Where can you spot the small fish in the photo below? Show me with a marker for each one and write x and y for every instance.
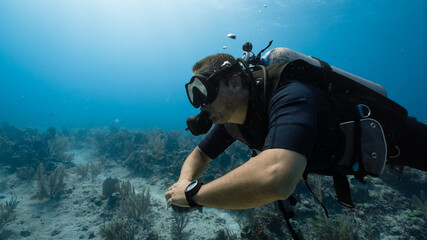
(231, 35)
(224, 47)
(265, 5)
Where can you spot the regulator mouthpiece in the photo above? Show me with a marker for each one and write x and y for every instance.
(199, 124)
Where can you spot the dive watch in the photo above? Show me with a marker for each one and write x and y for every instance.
(191, 190)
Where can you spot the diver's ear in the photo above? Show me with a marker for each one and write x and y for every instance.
(235, 81)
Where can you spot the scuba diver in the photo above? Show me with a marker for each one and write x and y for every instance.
(299, 115)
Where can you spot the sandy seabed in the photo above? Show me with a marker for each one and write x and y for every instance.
(79, 212)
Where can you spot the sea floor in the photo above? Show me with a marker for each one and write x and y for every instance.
(81, 211)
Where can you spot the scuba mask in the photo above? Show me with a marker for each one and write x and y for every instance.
(203, 89)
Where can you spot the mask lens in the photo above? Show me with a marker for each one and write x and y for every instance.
(196, 91)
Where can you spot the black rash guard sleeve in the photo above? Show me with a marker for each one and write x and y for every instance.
(216, 141)
(293, 118)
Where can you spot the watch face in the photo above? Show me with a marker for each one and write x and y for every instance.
(191, 186)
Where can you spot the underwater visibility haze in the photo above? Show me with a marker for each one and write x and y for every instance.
(98, 63)
(93, 110)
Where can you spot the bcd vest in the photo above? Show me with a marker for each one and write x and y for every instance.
(370, 124)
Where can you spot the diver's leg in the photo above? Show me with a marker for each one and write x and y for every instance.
(413, 148)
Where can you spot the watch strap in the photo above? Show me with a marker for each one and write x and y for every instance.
(189, 194)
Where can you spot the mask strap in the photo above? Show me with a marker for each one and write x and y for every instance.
(246, 67)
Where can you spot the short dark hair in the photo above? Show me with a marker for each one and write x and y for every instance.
(213, 63)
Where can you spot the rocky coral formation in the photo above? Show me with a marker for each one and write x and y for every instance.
(27, 148)
(112, 208)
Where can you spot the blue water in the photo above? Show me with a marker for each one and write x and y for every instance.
(97, 63)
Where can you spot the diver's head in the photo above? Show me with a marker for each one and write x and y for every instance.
(219, 87)
(203, 87)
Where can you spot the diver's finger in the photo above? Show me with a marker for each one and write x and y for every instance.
(172, 187)
(169, 202)
(168, 195)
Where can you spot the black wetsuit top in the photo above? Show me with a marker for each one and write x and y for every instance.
(297, 118)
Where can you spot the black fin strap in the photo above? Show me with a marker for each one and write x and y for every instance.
(342, 189)
(314, 196)
(288, 216)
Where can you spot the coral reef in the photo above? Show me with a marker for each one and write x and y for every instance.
(51, 188)
(265, 225)
(180, 222)
(330, 229)
(118, 230)
(27, 148)
(133, 206)
(225, 234)
(420, 204)
(116, 144)
(392, 208)
(151, 152)
(95, 170)
(138, 161)
(234, 156)
(156, 144)
(25, 173)
(82, 170)
(132, 210)
(110, 186)
(6, 213)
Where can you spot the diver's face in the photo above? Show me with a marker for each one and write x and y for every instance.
(222, 108)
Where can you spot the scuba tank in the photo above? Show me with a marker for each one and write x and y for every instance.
(282, 55)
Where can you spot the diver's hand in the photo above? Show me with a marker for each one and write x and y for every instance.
(176, 194)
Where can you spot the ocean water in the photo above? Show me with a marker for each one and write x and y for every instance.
(97, 63)
(106, 73)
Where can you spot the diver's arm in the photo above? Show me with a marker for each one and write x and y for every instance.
(270, 176)
(194, 165)
(192, 169)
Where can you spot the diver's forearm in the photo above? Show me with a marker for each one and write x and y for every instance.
(260, 181)
(194, 165)
(239, 195)
(242, 188)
